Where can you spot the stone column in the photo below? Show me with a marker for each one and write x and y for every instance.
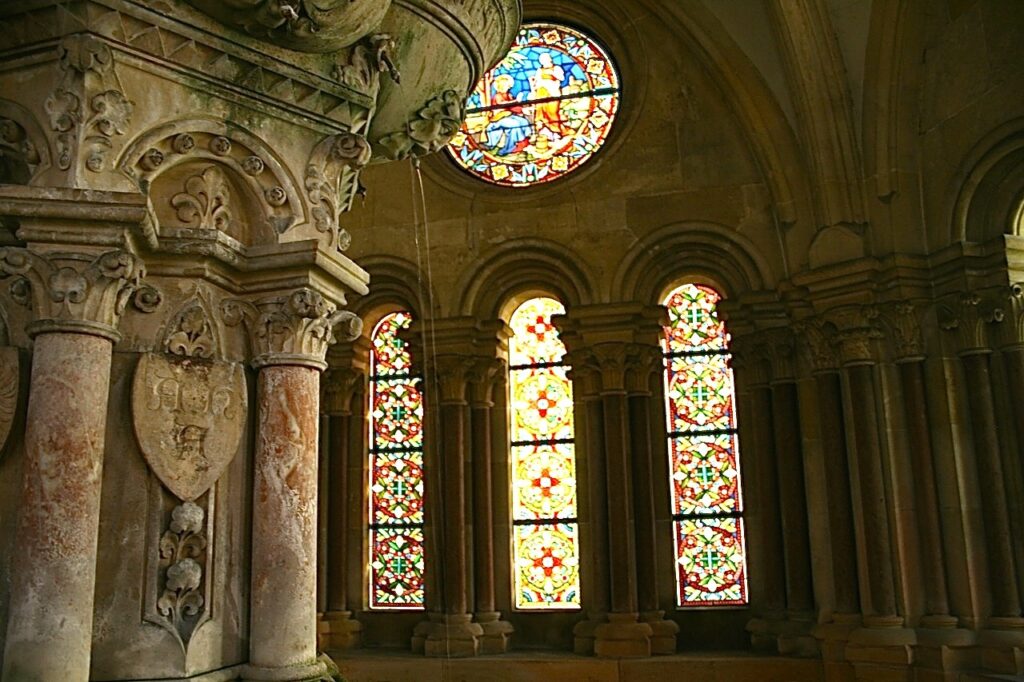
(484, 376)
(449, 631)
(593, 512)
(795, 636)
(882, 641)
(645, 367)
(78, 300)
(623, 635)
(764, 537)
(289, 336)
(342, 387)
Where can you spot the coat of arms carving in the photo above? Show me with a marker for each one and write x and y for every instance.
(189, 409)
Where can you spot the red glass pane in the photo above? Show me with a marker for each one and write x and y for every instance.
(396, 568)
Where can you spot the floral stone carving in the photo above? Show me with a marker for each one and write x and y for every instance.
(332, 180)
(189, 409)
(204, 203)
(184, 551)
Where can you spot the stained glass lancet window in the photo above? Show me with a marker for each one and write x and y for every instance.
(541, 112)
(543, 461)
(396, 471)
(707, 506)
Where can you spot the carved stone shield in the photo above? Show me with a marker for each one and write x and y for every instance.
(189, 417)
(9, 383)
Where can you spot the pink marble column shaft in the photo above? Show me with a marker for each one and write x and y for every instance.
(283, 618)
(49, 632)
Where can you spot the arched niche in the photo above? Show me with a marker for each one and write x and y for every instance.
(991, 195)
(24, 153)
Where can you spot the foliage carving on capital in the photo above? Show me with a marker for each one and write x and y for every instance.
(77, 292)
(1008, 304)
(295, 329)
(332, 182)
(429, 130)
(780, 347)
(750, 359)
(643, 364)
(88, 107)
(857, 333)
(612, 360)
(367, 60)
(818, 338)
(339, 388)
(968, 316)
(452, 374)
(903, 323)
(585, 373)
(484, 375)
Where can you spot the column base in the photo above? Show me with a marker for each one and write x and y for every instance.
(764, 633)
(337, 630)
(663, 633)
(943, 648)
(832, 640)
(882, 650)
(447, 636)
(497, 633)
(317, 670)
(795, 638)
(1001, 644)
(623, 636)
(583, 634)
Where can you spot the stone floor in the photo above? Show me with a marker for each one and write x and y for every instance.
(387, 666)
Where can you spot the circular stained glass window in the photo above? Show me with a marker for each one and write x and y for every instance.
(541, 112)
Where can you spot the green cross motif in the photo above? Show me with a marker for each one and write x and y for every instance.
(705, 474)
(711, 559)
(700, 394)
(398, 488)
(694, 316)
(398, 565)
(398, 412)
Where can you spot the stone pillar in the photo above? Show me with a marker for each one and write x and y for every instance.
(764, 537)
(289, 337)
(644, 368)
(883, 642)
(594, 577)
(794, 639)
(485, 375)
(78, 300)
(623, 635)
(342, 387)
(971, 316)
(448, 631)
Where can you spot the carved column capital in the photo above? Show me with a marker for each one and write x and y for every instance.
(967, 316)
(484, 375)
(856, 334)
(585, 373)
(750, 360)
(1009, 316)
(780, 346)
(817, 337)
(903, 323)
(452, 374)
(295, 329)
(340, 386)
(611, 360)
(82, 293)
(643, 363)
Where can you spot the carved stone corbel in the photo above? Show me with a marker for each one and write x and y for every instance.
(367, 60)
(295, 329)
(88, 107)
(332, 181)
(429, 131)
(77, 292)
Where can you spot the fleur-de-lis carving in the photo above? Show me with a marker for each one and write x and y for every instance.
(204, 203)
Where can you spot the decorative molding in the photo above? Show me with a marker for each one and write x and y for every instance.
(88, 107)
(429, 131)
(204, 202)
(295, 329)
(10, 381)
(332, 181)
(77, 292)
(366, 61)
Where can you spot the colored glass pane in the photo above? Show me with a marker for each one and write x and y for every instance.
(547, 566)
(703, 451)
(543, 462)
(396, 470)
(541, 112)
(700, 392)
(396, 567)
(541, 404)
(705, 475)
(544, 478)
(535, 339)
(710, 562)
